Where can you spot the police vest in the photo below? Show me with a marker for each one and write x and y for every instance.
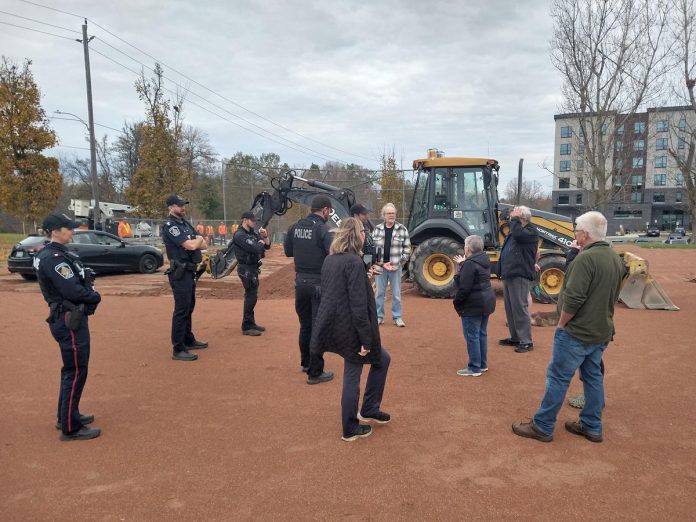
(307, 244)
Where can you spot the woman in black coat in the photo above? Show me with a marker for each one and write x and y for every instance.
(346, 324)
(474, 302)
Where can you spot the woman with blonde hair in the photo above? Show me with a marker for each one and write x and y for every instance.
(346, 324)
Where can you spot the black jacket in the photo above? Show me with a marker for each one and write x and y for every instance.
(518, 255)
(475, 296)
(347, 315)
(249, 246)
(61, 276)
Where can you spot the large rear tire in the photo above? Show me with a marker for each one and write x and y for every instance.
(549, 279)
(432, 267)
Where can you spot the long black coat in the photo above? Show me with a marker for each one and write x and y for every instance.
(347, 315)
(475, 295)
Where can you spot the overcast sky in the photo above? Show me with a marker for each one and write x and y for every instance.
(468, 77)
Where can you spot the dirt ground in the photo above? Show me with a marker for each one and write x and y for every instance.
(238, 435)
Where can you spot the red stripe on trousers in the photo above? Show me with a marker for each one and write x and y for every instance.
(72, 391)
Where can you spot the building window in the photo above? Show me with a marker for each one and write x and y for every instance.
(619, 146)
(638, 162)
(565, 166)
(563, 183)
(578, 199)
(617, 180)
(565, 149)
(681, 157)
(636, 197)
(566, 132)
(661, 162)
(682, 123)
(658, 197)
(678, 197)
(636, 181)
(662, 126)
(580, 164)
(660, 180)
(581, 149)
(620, 130)
(619, 163)
(679, 179)
(661, 144)
(639, 127)
(605, 127)
(581, 131)
(578, 183)
(563, 199)
(638, 145)
(682, 143)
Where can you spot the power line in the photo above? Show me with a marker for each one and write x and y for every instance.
(40, 22)
(37, 31)
(51, 8)
(97, 124)
(69, 147)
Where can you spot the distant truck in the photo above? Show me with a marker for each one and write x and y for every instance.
(109, 213)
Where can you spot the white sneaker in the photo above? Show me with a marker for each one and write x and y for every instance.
(399, 322)
(466, 372)
(380, 321)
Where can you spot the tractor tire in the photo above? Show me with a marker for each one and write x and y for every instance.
(549, 279)
(432, 268)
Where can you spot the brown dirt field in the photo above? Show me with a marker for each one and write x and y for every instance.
(238, 435)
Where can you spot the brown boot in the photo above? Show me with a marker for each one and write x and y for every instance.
(576, 428)
(530, 431)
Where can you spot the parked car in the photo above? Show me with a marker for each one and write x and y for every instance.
(680, 231)
(677, 239)
(653, 232)
(100, 251)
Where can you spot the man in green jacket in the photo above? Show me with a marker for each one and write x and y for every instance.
(585, 327)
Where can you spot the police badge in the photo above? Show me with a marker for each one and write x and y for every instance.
(64, 271)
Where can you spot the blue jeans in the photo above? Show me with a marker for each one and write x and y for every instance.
(569, 354)
(476, 335)
(394, 279)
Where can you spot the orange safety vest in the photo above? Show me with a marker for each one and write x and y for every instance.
(209, 230)
(124, 229)
(199, 229)
(222, 230)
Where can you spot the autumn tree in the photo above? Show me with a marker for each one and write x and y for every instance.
(30, 183)
(612, 57)
(391, 182)
(160, 170)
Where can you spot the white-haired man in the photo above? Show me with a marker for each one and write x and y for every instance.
(585, 327)
(392, 240)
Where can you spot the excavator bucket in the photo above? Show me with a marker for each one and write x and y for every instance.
(640, 290)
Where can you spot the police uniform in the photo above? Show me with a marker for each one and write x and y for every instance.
(181, 274)
(249, 249)
(308, 241)
(71, 298)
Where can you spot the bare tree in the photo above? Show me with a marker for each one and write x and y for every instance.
(611, 55)
(685, 53)
(533, 194)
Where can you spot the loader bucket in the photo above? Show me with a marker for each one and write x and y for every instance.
(640, 290)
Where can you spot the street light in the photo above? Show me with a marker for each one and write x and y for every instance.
(93, 169)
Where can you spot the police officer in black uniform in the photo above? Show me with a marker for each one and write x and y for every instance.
(249, 249)
(67, 288)
(308, 242)
(183, 247)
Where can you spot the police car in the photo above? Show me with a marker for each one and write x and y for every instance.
(100, 251)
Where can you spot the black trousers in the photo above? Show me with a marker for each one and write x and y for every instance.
(184, 291)
(74, 350)
(249, 274)
(307, 299)
(374, 389)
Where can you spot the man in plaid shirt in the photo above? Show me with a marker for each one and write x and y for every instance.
(391, 239)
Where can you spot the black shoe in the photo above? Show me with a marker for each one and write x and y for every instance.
(259, 328)
(184, 355)
(362, 431)
(324, 377)
(379, 417)
(252, 331)
(508, 342)
(84, 419)
(524, 348)
(82, 434)
(197, 345)
(577, 428)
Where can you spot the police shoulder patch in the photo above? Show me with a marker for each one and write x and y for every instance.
(174, 231)
(64, 270)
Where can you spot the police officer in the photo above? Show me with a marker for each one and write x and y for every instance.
(67, 288)
(183, 247)
(249, 249)
(308, 242)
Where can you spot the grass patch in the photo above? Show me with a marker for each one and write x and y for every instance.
(7, 241)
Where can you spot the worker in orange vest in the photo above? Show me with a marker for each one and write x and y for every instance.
(222, 233)
(210, 233)
(199, 229)
(124, 229)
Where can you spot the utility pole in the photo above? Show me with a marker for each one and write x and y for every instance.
(224, 199)
(92, 141)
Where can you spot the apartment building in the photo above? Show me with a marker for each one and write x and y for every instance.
(645, 185)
